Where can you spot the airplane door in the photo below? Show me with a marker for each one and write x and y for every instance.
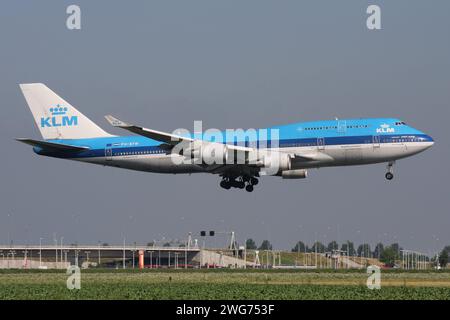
(341, 126)
(376, 141)
(320, 143)
(108, 152)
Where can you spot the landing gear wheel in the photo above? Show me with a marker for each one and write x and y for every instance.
(254, 181)
(249, 188)
(224, 184)
(390, 174)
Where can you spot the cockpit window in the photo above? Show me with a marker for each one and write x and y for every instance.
(400, 123)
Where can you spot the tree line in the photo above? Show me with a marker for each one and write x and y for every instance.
(387, 254)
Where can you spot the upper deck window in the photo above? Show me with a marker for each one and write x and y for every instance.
(320, 128)
(359, 126)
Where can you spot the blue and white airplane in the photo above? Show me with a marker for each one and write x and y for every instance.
(68, 134)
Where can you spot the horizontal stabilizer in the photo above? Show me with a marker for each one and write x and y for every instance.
(53, 146)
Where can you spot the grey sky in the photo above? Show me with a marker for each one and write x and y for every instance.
(232, 64)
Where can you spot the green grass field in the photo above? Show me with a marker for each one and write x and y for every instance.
(222, 284)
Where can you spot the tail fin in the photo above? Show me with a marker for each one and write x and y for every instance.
(56, 118)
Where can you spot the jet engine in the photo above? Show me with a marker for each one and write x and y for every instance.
(294, 174)
(276, 162)
(214, 153)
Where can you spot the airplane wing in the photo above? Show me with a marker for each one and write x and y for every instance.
(168, 138)
(171, 140)
(52, 145)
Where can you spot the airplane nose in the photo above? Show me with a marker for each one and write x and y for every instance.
(429, 141)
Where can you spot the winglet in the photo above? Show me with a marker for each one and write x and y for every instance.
(116, 122)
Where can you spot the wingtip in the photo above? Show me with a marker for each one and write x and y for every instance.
(30, 84)
(23, 140)
(115, 122)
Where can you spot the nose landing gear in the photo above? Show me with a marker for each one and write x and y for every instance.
(390, 174)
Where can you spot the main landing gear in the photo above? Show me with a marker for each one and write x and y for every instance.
(390, 174)
(240, 182)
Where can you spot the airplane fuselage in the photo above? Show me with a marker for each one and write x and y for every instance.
(339, 142)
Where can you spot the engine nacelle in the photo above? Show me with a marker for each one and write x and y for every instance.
(214, 153)
(294, 174)
(276, 162)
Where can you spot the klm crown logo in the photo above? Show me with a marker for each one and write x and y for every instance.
(385, 128)
(59, 118)
(58, 110)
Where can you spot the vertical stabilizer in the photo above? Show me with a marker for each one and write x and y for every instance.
(55, 117)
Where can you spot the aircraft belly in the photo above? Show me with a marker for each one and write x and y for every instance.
(339, 155)
(163, 164)
(154, 163)
(345, 155)
(371, 153)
